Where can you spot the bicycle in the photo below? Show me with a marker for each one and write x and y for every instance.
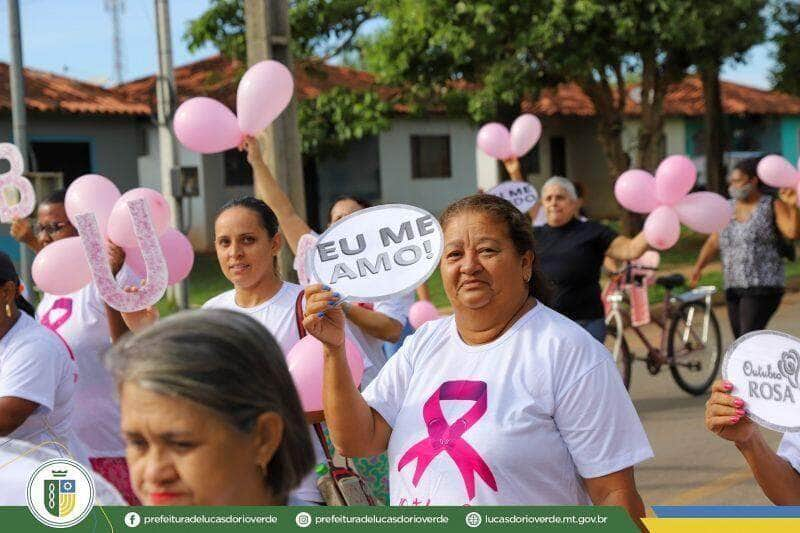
(690, 343)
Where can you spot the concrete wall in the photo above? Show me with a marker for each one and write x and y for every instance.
(432, 194)
(113, 142)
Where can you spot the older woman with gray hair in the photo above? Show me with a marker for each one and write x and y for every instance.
(210, 414)
(571, 253)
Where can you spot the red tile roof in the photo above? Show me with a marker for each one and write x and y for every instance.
(683, 99)
(218, 77)
(57, 94)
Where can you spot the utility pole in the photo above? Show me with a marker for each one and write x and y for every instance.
(18, 119)
(168, 157)
(116, 8)
(268, 37)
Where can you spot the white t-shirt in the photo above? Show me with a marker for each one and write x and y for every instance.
(20, 459)
(517, 421)
(789, 449)
(35, 365)
(278, 315)
(80, 320)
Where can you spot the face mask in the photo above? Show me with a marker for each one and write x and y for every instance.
(740, 193)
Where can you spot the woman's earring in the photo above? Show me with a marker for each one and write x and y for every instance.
(8, 310)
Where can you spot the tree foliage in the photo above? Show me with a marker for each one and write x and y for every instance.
(787, 42)
(325, 28)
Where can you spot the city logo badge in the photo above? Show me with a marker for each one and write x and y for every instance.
(60, 493)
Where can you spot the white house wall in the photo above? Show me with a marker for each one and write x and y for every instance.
(150, 176)
(432, 194)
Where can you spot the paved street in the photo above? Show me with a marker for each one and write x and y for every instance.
(692, 466)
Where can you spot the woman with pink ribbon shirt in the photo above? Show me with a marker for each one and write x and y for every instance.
(506, 402)
(88, 327)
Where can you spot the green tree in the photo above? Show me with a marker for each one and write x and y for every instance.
(320, 29)
(786, 16)
(716, 32)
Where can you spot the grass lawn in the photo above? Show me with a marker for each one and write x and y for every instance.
(206, 279)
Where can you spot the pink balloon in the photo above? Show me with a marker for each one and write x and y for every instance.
(91, 193)
(206, 126)
(120, 225)
(421, 312)
(495, 140)
(177, 251)
(704, 212)
(776, 171)
(305, 361)
(635, 190)
(525, 133)
(662, 228)
(264, 92)
(675, 177)
(61, 267)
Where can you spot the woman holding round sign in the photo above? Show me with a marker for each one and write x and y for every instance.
(752, 246)
(375, 323)
(572, 251)
(761, 385)
(488, 406)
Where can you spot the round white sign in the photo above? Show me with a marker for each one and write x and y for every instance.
(60, 493)
(377, 253)
(764, 367)
(520, 193)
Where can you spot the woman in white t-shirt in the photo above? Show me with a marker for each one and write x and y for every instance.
(374, 324)
(37, 375)
(504, 403)
(778, 473)
(88, 326)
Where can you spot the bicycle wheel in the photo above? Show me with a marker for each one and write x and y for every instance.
(694, 347)
(618, 346)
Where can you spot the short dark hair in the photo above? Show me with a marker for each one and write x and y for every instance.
(9, 273)
(519, 230)
(268, 218)
(363, 202)
(226, 362)
(58, 196)
(748, 167)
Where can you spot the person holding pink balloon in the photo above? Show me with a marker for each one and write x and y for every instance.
(88, 326)
(751, 248)
(374, 324)
(488, 406)
(572, 252)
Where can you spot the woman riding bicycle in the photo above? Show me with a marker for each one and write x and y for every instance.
(571, 252)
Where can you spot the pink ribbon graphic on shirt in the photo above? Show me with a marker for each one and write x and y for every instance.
(62, 304)
(448, 438)
(65, 305)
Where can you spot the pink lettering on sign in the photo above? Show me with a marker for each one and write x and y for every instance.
(448, 438)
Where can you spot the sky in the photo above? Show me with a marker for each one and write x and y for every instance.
(74, 38)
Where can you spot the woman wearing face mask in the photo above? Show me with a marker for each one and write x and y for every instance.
(505, 402)
(572, 252)
(88, 326)
(210, 414)
(375, 324)
(749, 246)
